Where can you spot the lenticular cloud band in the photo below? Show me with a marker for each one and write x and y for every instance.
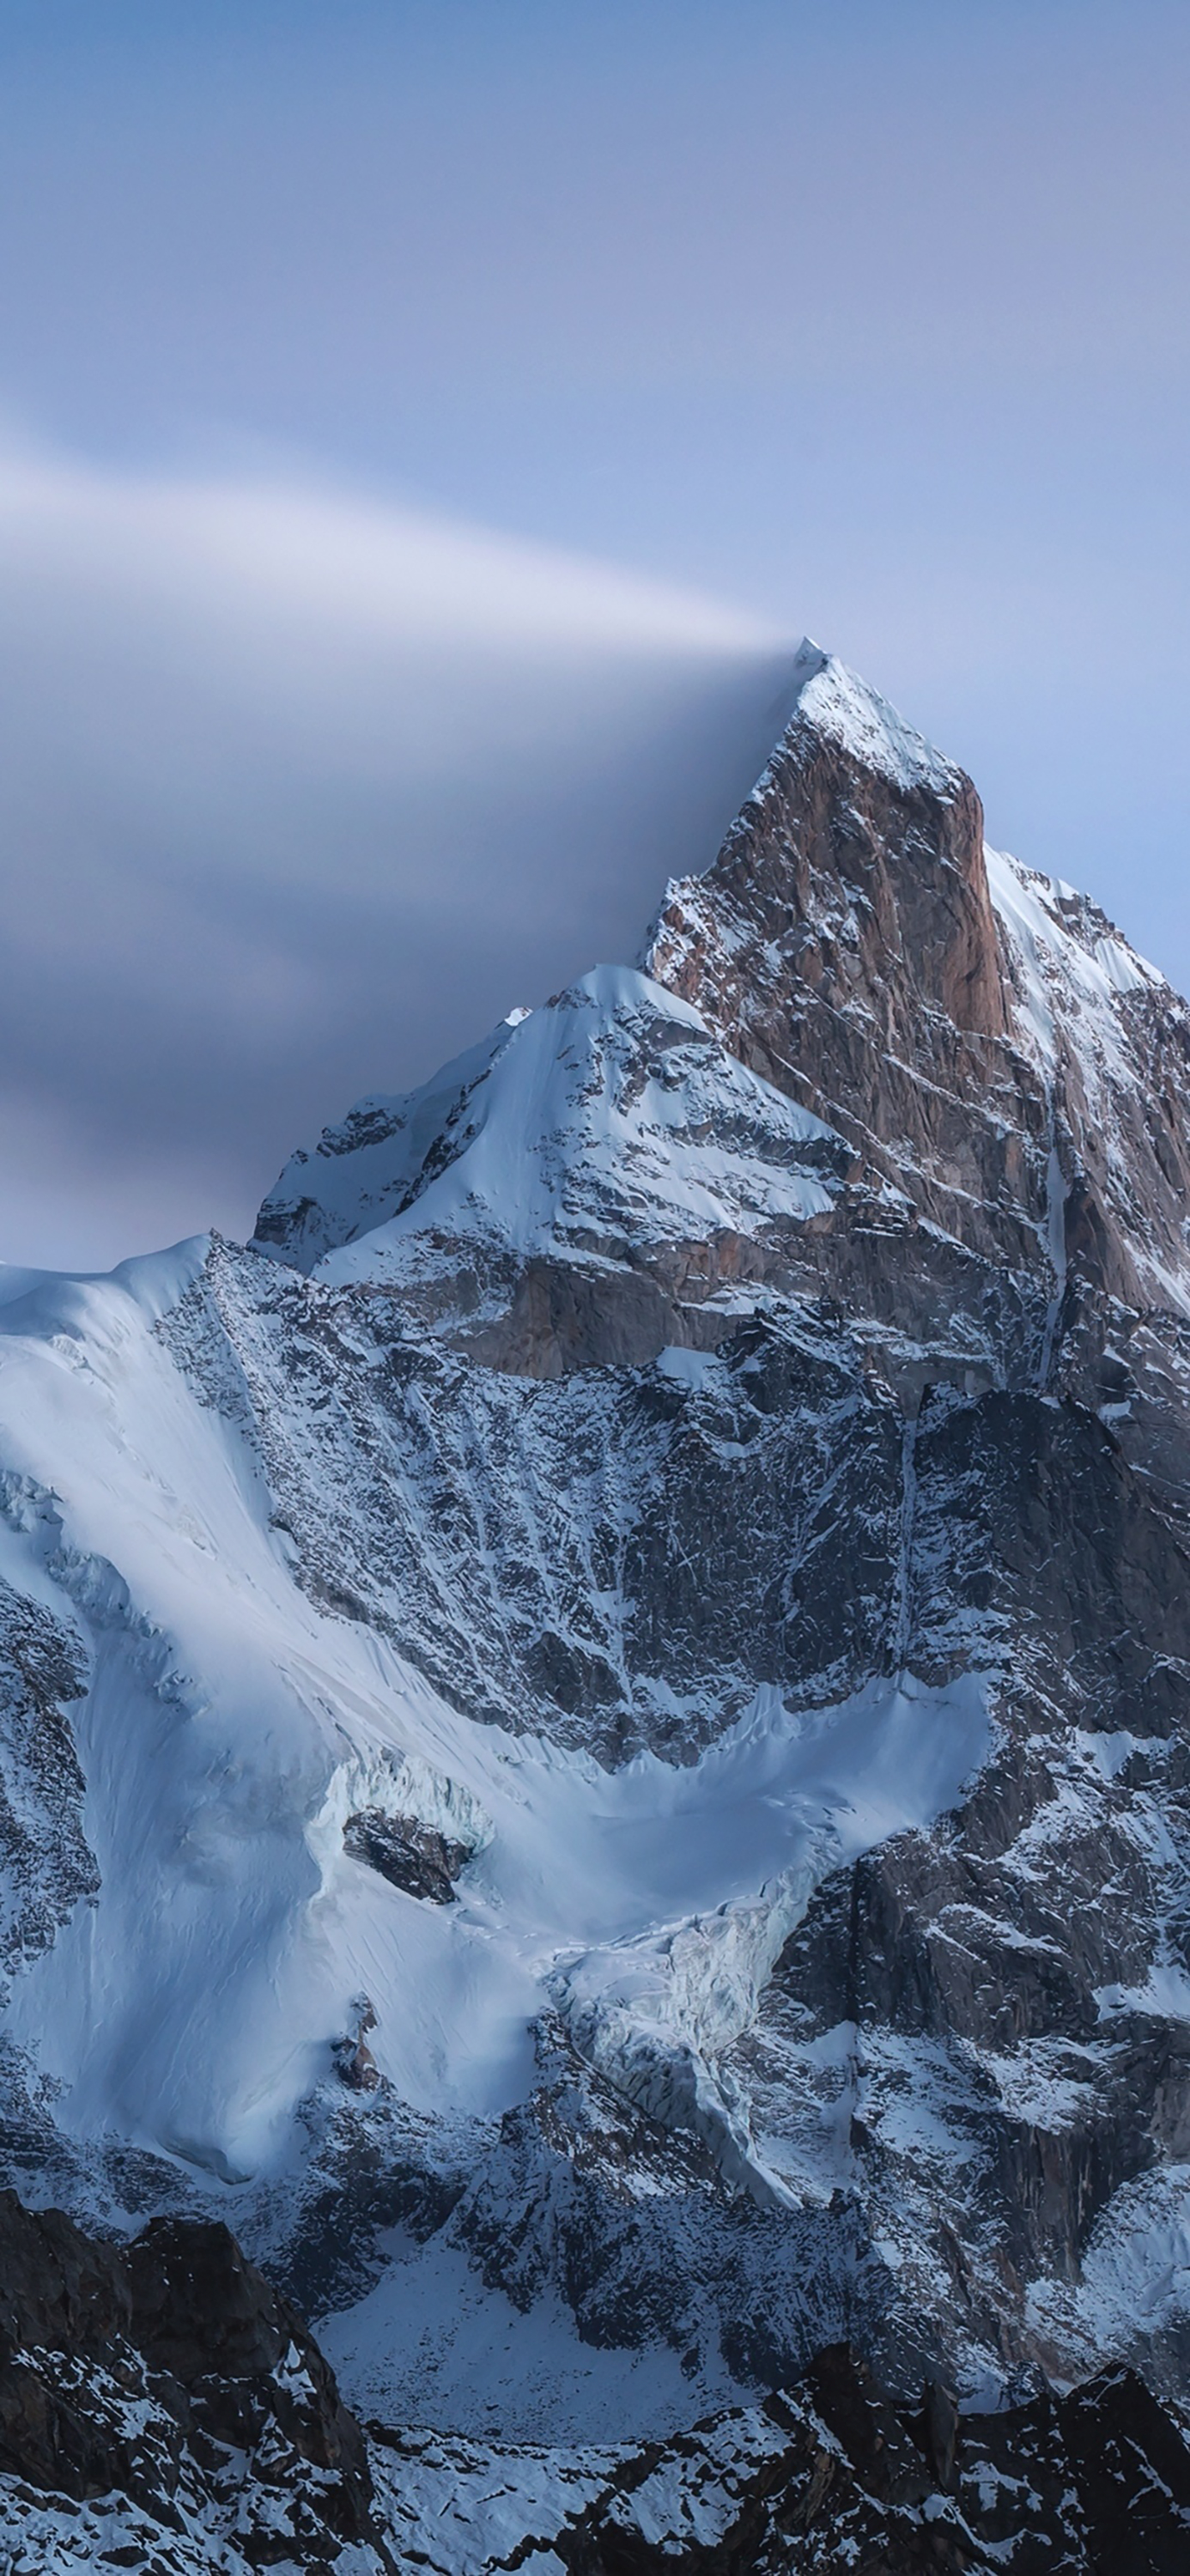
(301, 790)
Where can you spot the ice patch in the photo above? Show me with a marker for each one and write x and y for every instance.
(656, 2012)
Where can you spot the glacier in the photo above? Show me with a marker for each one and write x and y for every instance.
(228, 1731)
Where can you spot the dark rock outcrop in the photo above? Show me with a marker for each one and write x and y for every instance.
(1094, 2483)
(829, 2475)
(166, 2370)
(409, 1855)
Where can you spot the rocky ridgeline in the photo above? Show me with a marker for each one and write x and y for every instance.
(162, 2408)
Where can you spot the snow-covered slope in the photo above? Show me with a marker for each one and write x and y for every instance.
(229, 1730)
(607, 1131)
(593, 1732)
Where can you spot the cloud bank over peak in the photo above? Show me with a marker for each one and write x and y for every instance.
(304, 790)
(372, 569)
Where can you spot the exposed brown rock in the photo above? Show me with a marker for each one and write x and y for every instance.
(844, 946)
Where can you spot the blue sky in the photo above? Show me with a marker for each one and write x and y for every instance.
(868, 320)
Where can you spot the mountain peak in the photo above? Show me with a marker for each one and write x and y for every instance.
(961, 1041)
(603, 1737)
(982, 1037)
(847, 711)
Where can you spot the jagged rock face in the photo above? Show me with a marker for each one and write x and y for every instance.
(994, 1051)
(161, 2407)
(170, 2376)
(845, 947)
(675, 1536)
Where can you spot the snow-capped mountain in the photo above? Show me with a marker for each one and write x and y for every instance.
(606, 1139)
(595, 1731)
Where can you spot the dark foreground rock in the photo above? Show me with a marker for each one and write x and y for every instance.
(162, 2407)
(829, 2476)
(823, 2479)
(171, 2374)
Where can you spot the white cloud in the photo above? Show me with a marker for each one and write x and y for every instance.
(301, 792)
(279, 550)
